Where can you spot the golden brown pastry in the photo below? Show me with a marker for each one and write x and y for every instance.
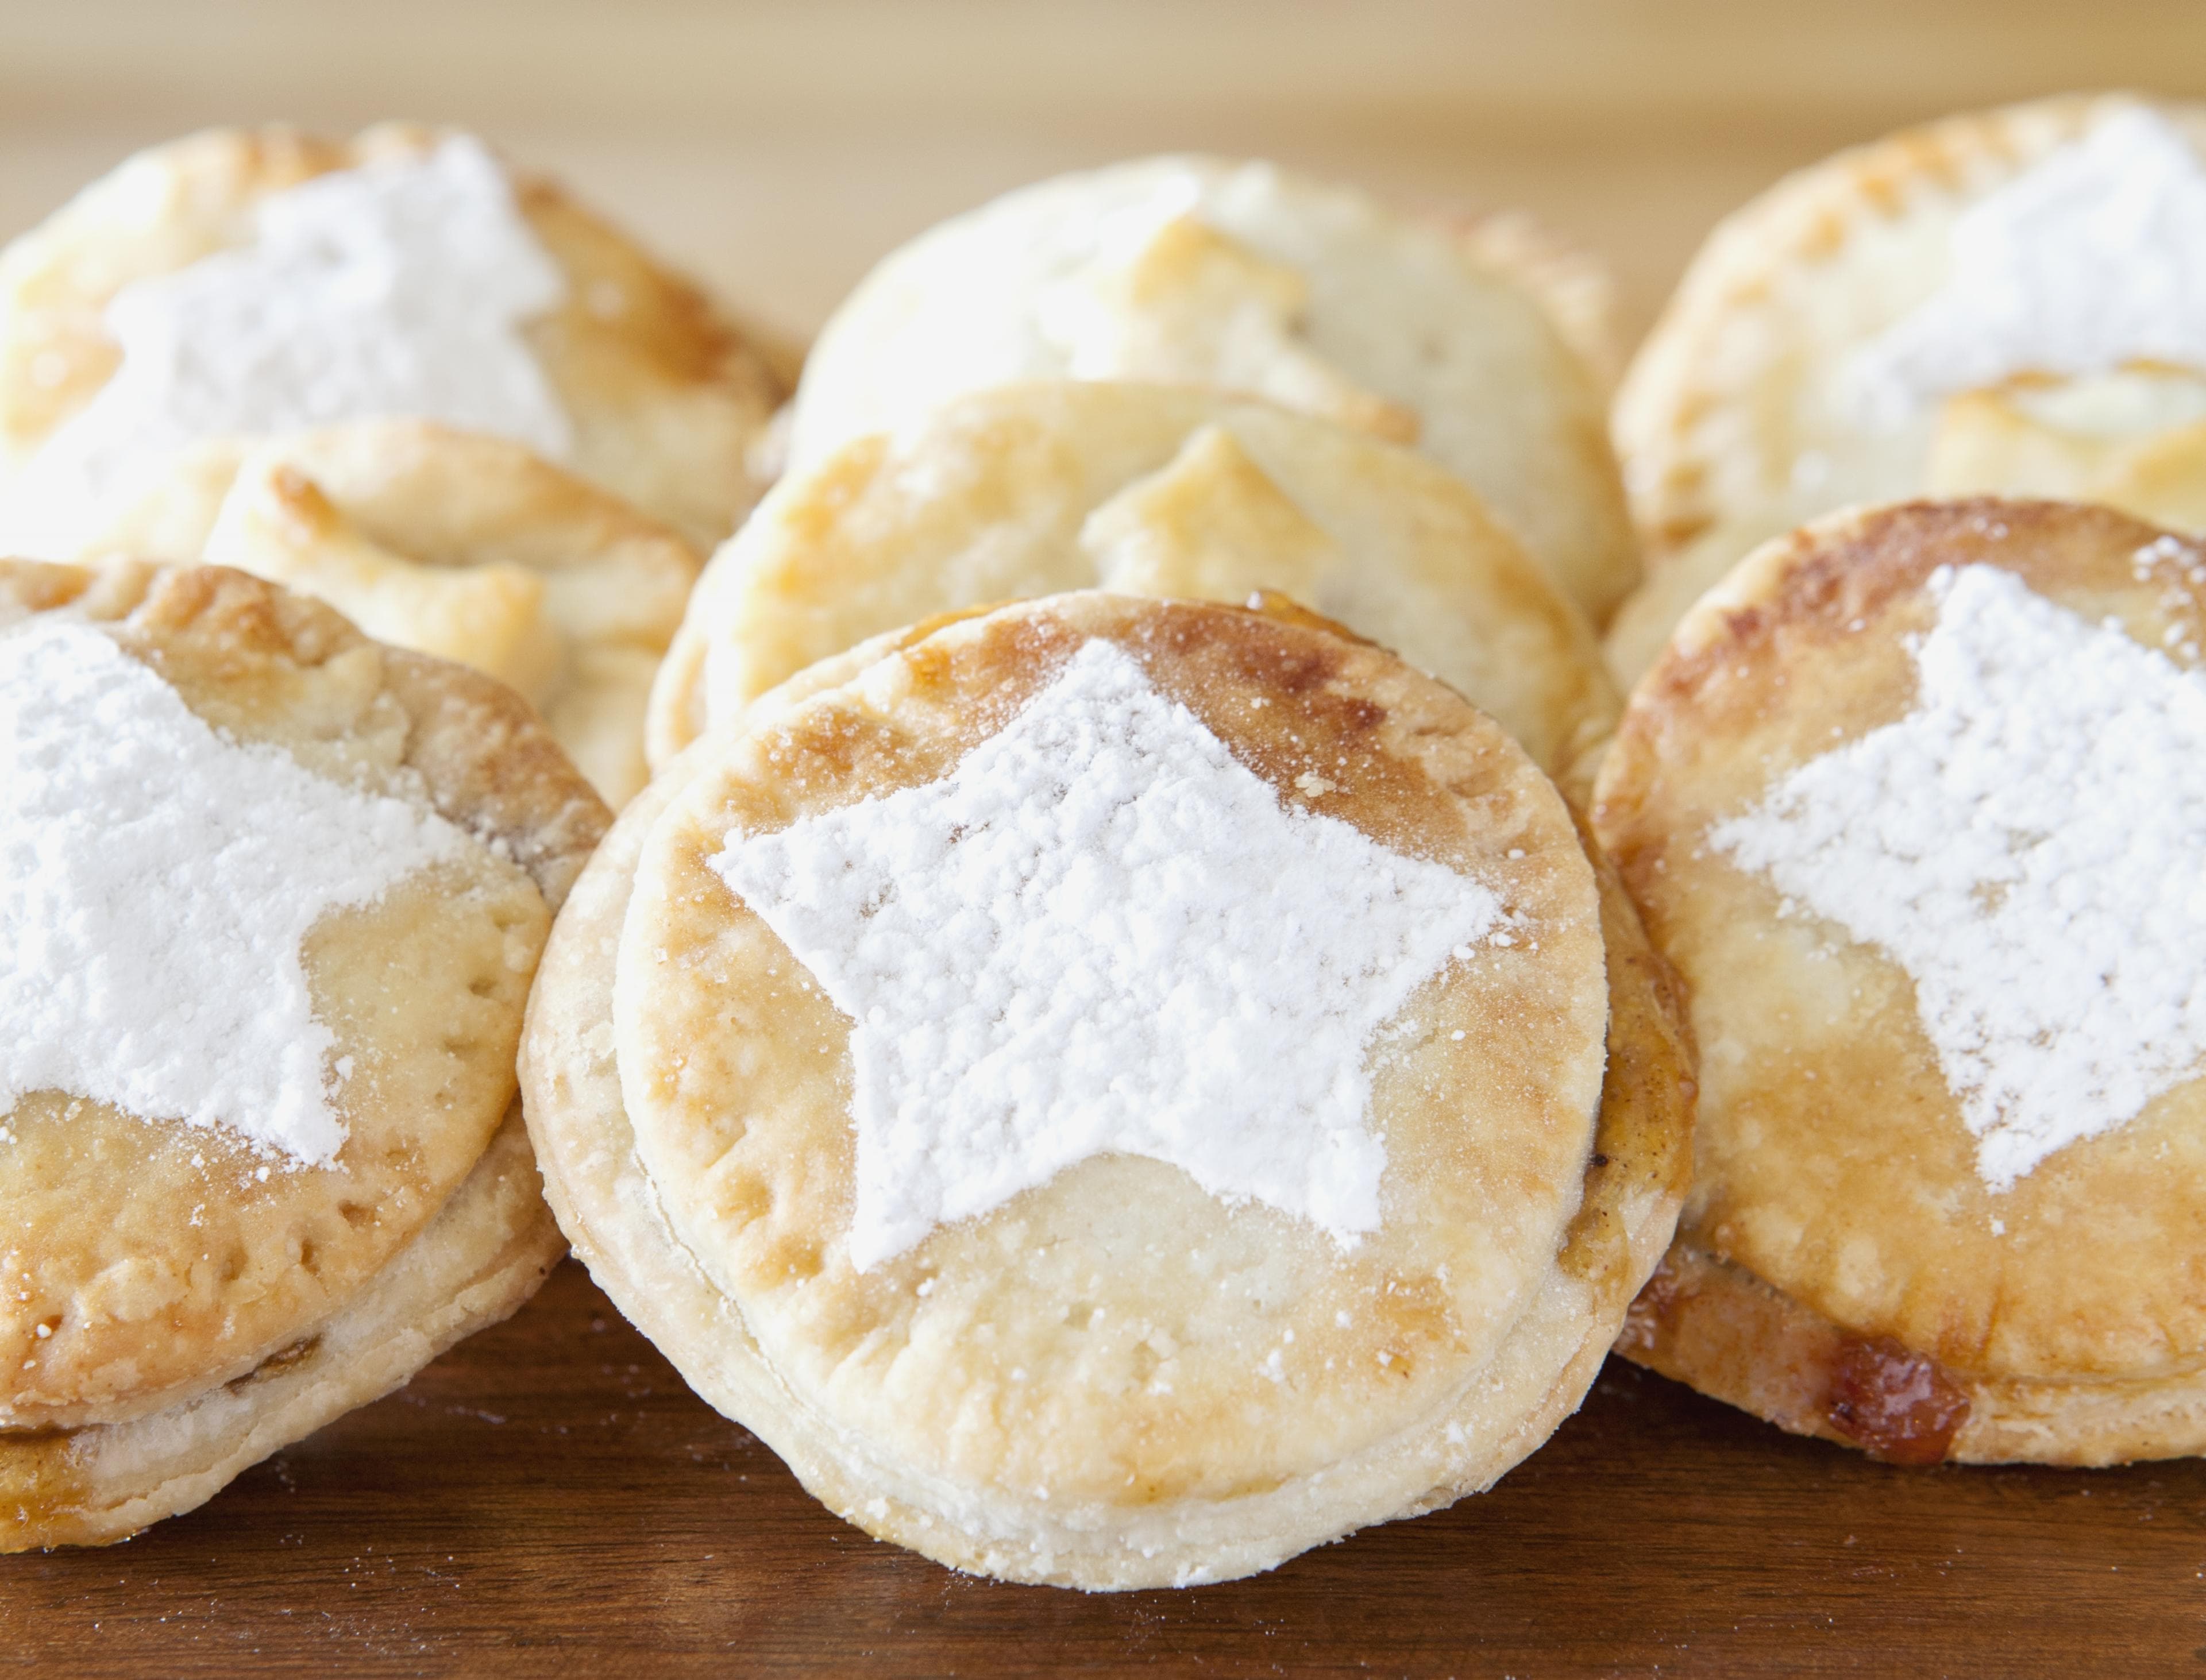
(455, 544)
(851, 1084)
(1247, 278)
(249, 282)
(1029, 489)
(1913, 801)
(271, 901)
(1999, 302)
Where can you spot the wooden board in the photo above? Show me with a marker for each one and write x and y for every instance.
(550, 1499)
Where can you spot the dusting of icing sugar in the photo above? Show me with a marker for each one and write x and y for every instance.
(1101, 933)
(156, 883)
(2026, 842)
(398, 289)
(2093, 258)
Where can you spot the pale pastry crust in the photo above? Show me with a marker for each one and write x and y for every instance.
(1990, 442)
(1727, 416)
(454, 544)
(1031, 490)
(1227, 1478)
(1986, 443)
(147, 1262)
(1570, 284)
(1265, 282)
(1836, 1201)
(1635, 637)
(757, 1187)
(665, 397)
(489, 1247)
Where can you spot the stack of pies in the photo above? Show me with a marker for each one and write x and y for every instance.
(1909, 793)
(273, 896)
(273, 893)
(1915, 802)
(1100, 1033)
(1114, 1092)
(1043, 1066)
(1118, 1089)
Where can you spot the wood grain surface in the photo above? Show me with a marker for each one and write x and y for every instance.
(549, 1498)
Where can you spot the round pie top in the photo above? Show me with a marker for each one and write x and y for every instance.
(1757, 403)
(955, 1274)
(1912, 801)
(658, 399)
(1191, 271)
(455, 544)
(1571, 284)
(144, 1259)
(1033, 490)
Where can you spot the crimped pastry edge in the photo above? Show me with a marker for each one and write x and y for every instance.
(485, 1253)
(603, 1199)
(1786, 229)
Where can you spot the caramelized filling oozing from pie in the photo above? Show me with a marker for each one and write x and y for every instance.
(1758, 1349)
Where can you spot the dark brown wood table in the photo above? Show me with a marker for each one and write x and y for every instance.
(549, 1498)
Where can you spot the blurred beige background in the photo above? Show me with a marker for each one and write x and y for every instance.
(777, 148)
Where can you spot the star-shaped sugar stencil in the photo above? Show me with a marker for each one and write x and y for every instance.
(2092, 258)
(1101, 933)
(2027, 844)
(157, 881)
(397, 287)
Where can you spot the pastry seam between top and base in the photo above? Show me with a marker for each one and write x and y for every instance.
(1192, 1539)
(474, 1265)
(1708, 1318)
(72, 1484)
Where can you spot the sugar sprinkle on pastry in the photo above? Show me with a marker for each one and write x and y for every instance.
(1021, 1005)
(159, 883)
(2094, 257)
(216, 800)
(1947, 1170)
(2090, 259)
(395, 288)
(2002, 302)
(1128, 1374)
(2011, 842)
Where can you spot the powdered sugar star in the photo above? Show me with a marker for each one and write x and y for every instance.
(2026, 842)
(397, 288)
(156, 882)
(2093, 257)
(1101, 933)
